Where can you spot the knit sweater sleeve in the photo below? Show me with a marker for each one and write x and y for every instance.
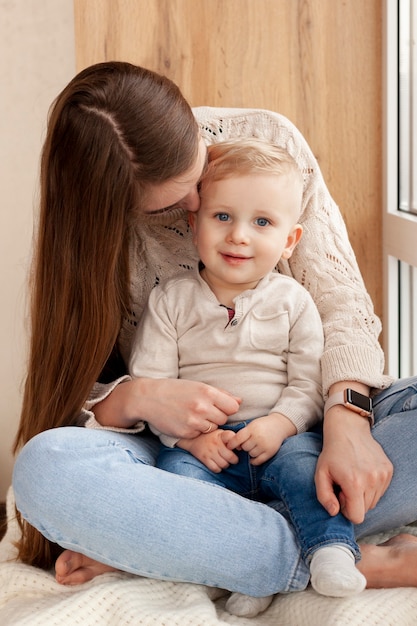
(324, 261)
(326, 265)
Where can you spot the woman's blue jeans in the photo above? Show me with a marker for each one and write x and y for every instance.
(97, 492)
(287, 477)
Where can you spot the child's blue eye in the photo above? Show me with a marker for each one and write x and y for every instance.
(222, 217)
(262, 221)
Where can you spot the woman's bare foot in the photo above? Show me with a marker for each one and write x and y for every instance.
(72, 568)
(390, 564)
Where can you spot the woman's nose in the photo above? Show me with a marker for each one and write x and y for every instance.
(191, 201)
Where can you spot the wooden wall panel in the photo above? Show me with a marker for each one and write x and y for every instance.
(319, 62)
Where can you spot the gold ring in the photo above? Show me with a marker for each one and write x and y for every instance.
(208, 429)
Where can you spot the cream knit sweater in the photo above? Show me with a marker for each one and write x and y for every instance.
(323, 262)
(268, 354)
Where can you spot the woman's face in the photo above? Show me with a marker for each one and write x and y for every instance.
(180, 191)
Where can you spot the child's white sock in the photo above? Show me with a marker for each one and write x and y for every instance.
(333, 572)
(247, 606)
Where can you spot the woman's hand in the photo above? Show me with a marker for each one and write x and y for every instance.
(179, 408)
(353, 462)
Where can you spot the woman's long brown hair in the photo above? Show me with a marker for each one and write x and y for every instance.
(115, 129)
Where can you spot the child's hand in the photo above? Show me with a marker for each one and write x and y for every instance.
(211, 449)
(263, 437)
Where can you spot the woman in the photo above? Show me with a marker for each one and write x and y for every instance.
(120, 169)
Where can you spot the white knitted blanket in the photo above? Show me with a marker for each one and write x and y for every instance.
(31, 597)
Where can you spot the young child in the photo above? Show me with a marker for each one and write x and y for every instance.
(237, 324)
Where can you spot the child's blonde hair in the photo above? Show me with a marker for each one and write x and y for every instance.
(249, 156)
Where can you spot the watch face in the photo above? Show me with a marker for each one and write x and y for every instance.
(358, 399)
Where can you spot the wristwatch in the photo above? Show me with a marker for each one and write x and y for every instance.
(352, 400)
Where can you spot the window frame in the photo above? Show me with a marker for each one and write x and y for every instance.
(399, 244)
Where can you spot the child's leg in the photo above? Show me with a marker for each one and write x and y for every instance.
(247, 606)
(181, 462)
(328, 543)
(333, 572)
(237, 477)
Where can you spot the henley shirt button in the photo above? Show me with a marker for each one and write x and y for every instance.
(233, 322)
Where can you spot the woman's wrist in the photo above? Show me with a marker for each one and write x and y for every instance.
(118, 409)
(339, 417)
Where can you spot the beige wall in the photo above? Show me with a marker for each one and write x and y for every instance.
(36, 60)
(319, 62)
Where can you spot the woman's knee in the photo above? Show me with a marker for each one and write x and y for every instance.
(34, 471)
(73, 454)
(35, 454)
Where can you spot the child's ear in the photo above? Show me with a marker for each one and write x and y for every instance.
(292, 240)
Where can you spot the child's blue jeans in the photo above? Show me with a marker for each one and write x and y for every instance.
(287, 477)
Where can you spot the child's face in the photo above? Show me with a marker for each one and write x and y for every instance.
(245, 225)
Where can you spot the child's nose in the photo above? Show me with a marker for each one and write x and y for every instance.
(239, 233)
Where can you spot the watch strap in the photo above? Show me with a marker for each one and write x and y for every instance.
(339, 398)
(335, 398)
